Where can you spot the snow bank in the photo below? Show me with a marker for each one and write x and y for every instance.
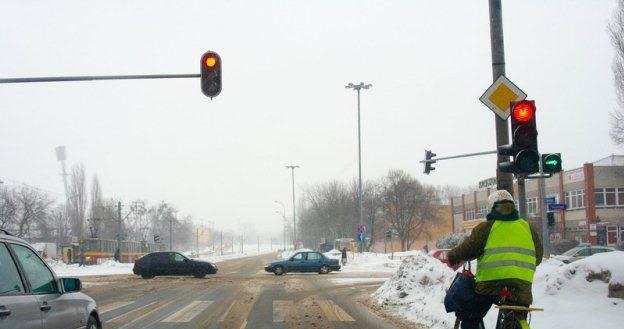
(417, 291)
(371, 262)
(573, 295)
(109, 267)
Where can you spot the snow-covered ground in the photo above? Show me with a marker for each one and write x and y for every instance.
(111, 267)
(417, 289)
(371, 262)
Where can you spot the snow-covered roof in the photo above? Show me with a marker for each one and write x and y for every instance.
(612, 160)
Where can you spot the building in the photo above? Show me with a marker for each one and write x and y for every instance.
(587, 203)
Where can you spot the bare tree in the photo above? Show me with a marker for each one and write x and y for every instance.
(78, 199)
(33, 206)
(95, 213)
(60, 223)
(408, 205)
(616, 30)
(8, 209)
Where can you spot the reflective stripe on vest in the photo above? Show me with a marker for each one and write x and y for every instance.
(509, 253)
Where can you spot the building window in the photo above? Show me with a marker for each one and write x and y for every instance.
(531, 207)
(575, 199)
(610, 197)
(470, 214)
(483, 211)
(606, 197)
(600, 197)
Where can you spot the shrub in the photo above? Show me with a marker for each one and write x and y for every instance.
(451, 240)
(561, 246)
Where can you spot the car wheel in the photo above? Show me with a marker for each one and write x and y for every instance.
(324, 269)
(147, 275)
(92, 323)
(200, 274)
(278, 270)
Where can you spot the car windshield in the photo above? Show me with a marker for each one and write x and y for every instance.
(572, 251)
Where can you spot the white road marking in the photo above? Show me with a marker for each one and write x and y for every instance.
(225, 314)
(113, 306)
(333, 312)
(188, 312)
(132, 311)
(281, 308)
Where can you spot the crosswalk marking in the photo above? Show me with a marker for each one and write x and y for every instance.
(113, 306)
(129, 314)
(225, 314)
(333, 312)
(188, 312)
(281, 308)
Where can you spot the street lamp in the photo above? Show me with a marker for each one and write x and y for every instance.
(283, 221)
(292, 168)
(357, 88)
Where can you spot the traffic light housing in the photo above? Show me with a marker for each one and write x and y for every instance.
(428, 162)
(523, 148)
(551, 218)
(210, 68)
(551, 162)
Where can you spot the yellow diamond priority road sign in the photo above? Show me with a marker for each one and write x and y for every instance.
(500, 94)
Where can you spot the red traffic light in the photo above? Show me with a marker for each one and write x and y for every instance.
(523, 111)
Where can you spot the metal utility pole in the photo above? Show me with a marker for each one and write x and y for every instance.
(504, 181)
(119, 231)
(545, 231)
(292, 168)
(357, 88)
(61, 156)
(171, 233)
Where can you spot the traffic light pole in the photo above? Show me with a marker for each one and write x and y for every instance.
(545, 230)
(100, 77)
(504, 181)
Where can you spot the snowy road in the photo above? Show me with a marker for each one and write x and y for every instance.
(241, 295)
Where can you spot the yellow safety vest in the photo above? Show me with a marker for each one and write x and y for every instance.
(509, 253)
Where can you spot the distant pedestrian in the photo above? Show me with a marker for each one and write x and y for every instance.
(426, 249)
(344, 256)
(82, 258)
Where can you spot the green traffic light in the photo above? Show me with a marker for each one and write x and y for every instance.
(551, 163)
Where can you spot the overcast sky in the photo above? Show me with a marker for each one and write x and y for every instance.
(285, 65)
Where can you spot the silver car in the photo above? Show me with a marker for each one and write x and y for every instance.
(31, 296)
(582, 252)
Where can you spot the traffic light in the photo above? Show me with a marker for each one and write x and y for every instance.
(523, 148)
(428, 162)
(551, 162)
(210, 74)
(388, 235)
(551, 218)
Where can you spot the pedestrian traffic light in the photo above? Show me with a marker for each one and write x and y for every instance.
(551, 218)
(210, 65)
(551, 162)
(523, 148)
(428, 162)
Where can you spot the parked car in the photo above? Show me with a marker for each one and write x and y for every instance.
(31, 295)
(442, 255)
(582, 252)
(308, 261)
(171, 263)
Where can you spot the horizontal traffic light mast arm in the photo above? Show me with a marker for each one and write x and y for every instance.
(459, 156)
(100, 77)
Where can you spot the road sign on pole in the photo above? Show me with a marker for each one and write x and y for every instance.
(499, 96)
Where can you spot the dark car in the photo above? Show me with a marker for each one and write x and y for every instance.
(171, 263)
(31, 296)
(307, 261)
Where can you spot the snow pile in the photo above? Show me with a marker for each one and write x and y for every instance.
(334, 254)
(417, 291)
(573, 295)
(108, 267)
(371, 262)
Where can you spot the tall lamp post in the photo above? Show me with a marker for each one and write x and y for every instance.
(357, 88)
(284, 221)
(292, 169)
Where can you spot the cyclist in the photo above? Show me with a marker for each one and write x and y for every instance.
(507, 250)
